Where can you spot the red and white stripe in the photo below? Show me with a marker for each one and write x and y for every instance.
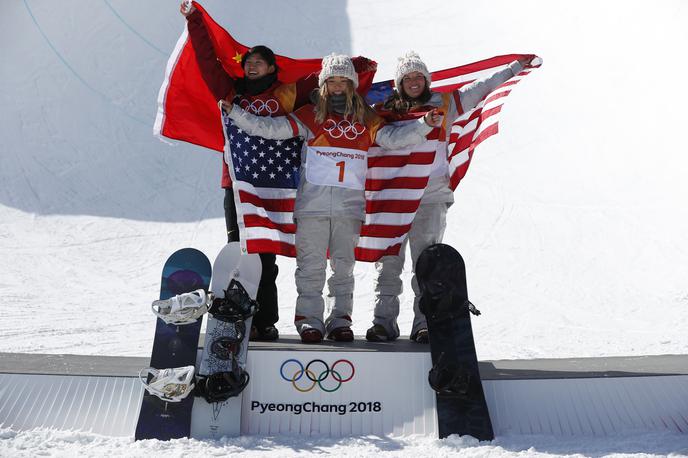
(477, 125)
(266, 219)
(395, 183)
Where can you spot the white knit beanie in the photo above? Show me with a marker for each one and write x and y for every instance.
(410, 63)
(337, 65)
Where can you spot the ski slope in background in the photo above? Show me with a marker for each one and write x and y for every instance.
(572, 220)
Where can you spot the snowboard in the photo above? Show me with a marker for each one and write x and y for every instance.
(221, 351)
(461, 406)
(174, 346)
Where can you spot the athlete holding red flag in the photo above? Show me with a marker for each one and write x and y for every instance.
(260, 92)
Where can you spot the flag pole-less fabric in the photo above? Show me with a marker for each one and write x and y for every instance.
(187, 110)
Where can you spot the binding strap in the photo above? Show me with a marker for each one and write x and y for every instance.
(450, 379)
(220, 386)
(237, 305)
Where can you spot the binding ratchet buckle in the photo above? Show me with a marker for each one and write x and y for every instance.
(237, 305)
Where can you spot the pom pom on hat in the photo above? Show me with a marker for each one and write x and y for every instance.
(410, 63)
(337, 65)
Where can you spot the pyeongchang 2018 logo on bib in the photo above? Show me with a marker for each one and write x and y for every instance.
(317, 374)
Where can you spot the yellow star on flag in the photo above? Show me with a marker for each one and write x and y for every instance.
(237, 58)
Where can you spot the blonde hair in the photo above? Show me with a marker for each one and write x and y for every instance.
(356, 107)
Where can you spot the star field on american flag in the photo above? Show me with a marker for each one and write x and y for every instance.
(262, 162)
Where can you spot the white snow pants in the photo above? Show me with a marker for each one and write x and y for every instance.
(427, 228)
(314, 236)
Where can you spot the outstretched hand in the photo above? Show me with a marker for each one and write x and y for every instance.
(434, 118)
(526, 60)
(186, 8)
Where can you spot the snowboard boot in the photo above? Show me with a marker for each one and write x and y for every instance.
(311, 335)
(342, 334)
(378, 333)
(420, 336)
(264, 334)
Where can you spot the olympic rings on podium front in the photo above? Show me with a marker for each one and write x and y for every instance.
(323, 371)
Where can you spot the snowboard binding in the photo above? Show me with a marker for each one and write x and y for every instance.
(183, 308)
(440, 270)
(236, 306)
(226, 347)
(220, 386)
(444, 308)
(450, 379)
(170, 385)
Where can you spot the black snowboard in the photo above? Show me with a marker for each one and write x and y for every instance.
(461, 406)
(174, 346)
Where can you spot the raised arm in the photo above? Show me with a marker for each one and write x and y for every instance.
(214, 75)
(471, 94)
(274, 128)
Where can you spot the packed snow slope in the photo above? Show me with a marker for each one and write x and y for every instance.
(572, 220)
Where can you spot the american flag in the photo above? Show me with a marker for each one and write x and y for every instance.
(395, 182)
(265, 174)
(476, 125)
(480, 123)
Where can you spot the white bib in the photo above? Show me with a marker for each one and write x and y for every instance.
(333, 166)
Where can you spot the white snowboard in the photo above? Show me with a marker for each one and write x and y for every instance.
(214, 420)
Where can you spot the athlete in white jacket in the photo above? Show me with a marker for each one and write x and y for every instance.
(413, 95)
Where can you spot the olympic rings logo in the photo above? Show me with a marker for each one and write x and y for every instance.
(329, 379)
(345, 128)
(260, 107)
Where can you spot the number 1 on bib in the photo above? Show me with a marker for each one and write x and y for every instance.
(341, 166)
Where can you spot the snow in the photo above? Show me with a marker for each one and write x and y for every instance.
(68, 444)
(572, 220)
